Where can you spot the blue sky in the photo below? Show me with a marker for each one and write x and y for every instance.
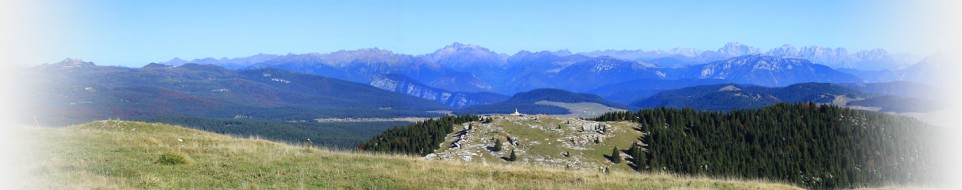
(133, 33)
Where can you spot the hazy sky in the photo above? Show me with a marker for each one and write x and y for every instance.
(133, 33)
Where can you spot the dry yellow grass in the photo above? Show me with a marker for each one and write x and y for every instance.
(121, 155)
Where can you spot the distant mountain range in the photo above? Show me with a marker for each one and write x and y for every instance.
(374, 83)
(466, 75)
(750, 69)
(457, 76)
(471, 68)
(766, 71)
(839, 58)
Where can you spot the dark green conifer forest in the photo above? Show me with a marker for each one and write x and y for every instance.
(420, 138)
(813, 145)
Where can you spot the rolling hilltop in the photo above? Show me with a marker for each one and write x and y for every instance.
(135, 155)
(540, 140)
(549, 101)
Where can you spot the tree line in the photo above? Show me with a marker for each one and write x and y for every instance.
(813, 145)
(420, 138)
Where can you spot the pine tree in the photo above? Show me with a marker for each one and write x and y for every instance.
(497, 145)
(512, 157)
(615, 155)
(637, 157)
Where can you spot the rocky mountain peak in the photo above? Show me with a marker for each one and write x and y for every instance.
(74, 63)
(737, 49)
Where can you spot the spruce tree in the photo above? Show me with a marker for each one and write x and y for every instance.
(615, 155)
(637, 157)
(497, 145)
(512, 157)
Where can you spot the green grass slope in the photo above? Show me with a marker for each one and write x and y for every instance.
(135, 155)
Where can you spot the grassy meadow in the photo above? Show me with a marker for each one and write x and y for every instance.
(136, 155)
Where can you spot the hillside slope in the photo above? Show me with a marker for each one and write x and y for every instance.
(404, 85)
(74, 92)
(626, 92)
(125, 155)
(722, 97)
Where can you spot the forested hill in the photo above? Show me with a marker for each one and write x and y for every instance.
(817, 146)
(723, 97)
(420, 138)
(813, 145)
(74, 92)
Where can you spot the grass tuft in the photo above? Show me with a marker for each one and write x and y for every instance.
(174, 158)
